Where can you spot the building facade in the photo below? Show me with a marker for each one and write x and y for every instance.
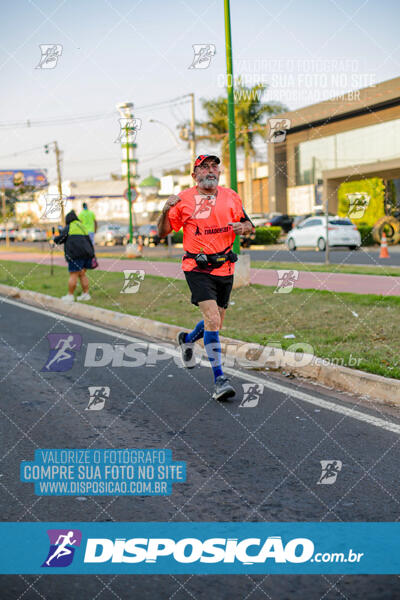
(350, 138)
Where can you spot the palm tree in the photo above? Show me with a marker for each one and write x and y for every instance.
(251, 115)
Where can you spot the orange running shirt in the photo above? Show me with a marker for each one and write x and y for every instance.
(205, 224)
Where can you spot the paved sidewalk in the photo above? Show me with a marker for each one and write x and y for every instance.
(335, 282)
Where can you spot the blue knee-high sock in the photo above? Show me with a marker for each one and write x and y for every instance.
(214, 353)
(196, 334)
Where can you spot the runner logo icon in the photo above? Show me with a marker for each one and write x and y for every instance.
(286, 281)
(251, 394)
(204, 206)
(63, 543)
(98, 396)
(133, 279)
(203, 54)
(330, 470)
(62, 351)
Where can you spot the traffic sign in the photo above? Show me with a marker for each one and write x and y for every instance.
(134, 194)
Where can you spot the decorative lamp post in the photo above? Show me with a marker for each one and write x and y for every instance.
(128, 128)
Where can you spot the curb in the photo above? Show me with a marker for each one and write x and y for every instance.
(247, 354)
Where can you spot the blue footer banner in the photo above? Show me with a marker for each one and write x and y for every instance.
(199, 548)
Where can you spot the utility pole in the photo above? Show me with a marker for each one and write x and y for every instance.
(327, 231)
(231, 110)
(4, 211)
(59, 182)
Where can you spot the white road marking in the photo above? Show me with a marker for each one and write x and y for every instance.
(247, 376)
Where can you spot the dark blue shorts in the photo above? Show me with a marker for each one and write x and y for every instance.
(77, 264)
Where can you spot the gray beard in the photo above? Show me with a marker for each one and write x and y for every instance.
(208, 184)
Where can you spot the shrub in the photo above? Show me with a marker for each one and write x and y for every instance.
(264, 235)
(366, 235)
(177, 237)
(267, 235)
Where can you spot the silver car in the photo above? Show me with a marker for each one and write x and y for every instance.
(110, 235)
(36, 235)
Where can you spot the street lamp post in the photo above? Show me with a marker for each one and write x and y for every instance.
(231, 109)
(172, 134)
(125, 110)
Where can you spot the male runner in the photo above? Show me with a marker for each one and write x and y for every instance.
(211, 216)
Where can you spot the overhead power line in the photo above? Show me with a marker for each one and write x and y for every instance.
(87, 118)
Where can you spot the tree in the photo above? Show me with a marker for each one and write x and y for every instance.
(12, 195)
(251, 115)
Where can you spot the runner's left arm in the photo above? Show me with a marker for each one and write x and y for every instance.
(248, 222)
(244, 225)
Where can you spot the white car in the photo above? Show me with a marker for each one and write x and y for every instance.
(312, 232)
(36, 235)
(111, 234)
(21, 235)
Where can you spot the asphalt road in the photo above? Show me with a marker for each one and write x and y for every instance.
(340, 256)
(243, 464)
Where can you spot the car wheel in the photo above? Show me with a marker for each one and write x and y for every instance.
(354, 247)
(321, 245)
(291, 244)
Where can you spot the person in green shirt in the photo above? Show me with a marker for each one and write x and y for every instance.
(88, 218)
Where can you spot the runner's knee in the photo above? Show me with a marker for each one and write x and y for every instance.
(212, 321)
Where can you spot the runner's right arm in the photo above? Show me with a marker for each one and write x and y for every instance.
(163, 223)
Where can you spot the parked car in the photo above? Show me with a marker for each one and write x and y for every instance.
(127, 235)
(283, 221)
(11, 234)
(149, 234)
(21, 235)
(110, 235)
(317, 213)
(259, 219)
(312, 232)
(36, 235)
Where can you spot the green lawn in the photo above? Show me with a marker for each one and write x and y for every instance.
(323, 319)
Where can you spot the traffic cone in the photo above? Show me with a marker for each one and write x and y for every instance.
(384, 247)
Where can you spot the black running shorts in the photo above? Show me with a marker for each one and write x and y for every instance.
(209, 287)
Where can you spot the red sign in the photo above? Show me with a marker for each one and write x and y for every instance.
(134, 194)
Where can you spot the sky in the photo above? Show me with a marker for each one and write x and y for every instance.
(140, 51)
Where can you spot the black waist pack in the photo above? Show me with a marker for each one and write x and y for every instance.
(208, 262)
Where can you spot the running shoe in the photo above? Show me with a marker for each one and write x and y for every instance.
(188, 356)
(223, 389)
(84, 297)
